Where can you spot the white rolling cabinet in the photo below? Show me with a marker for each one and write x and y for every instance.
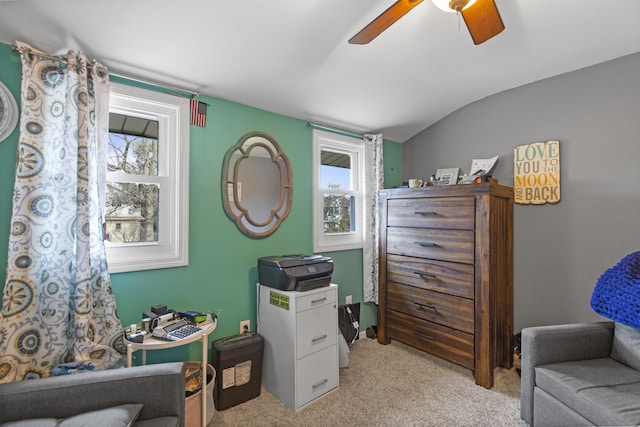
(300, 331)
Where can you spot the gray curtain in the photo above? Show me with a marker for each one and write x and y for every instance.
(374, 181)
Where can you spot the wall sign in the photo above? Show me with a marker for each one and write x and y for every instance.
(536, 173)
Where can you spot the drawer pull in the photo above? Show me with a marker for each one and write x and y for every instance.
(423, 274)
(316, 301)
(318, 384)
(423, 305)
(320, 338)
(429, 337)
(425, 244)
(426, 213)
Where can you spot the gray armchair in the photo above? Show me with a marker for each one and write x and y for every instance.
(154, 392)
(570, 379)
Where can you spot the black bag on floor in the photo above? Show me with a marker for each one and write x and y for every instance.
(348, 322)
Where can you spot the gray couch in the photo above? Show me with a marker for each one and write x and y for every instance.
(153, 395)
(569, 377)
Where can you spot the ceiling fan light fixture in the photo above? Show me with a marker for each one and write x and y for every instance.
(453, 5)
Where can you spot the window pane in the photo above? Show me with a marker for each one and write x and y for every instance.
(130, 125)
(148, 180)
(338, 213)
(335, 170)
(133, 145)
(132, 212)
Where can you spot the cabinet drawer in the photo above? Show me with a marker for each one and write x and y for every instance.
(437, 307)
(316, 299)
(444, 245)
(317, 374)
(316, 329)
(447, 343)
(443, 212)
(448, 277)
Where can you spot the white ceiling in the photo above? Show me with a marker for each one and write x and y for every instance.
(292, 57)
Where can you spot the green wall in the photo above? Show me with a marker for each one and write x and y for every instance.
(222, 273)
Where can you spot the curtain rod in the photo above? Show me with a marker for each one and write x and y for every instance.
(63, 58)
(149, 82)
(334, 130)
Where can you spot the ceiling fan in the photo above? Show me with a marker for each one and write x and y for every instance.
(481, 17)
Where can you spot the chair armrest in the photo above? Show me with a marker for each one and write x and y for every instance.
(542, 345)
(159, 387)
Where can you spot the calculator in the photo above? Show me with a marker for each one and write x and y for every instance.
(175, 331)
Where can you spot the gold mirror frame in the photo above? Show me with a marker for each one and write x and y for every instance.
(257, 184)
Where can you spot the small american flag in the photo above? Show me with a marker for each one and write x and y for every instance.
(198, 113)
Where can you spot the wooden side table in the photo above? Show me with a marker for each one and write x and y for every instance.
(152, 343)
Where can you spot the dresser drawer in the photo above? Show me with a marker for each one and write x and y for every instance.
(448, 310)
(448, 277)
(444, 245)
(444, 212)
(447, 343)
(316, 329)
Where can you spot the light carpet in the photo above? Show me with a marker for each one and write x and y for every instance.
(392, 385)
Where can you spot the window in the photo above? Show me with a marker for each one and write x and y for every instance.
(338, 192)
(146, 218)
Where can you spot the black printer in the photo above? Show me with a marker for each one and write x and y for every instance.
(295, 272)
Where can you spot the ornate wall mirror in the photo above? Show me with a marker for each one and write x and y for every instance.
(256, 184)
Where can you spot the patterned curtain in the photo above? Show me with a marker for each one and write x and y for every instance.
(58, 309)
(374, 181)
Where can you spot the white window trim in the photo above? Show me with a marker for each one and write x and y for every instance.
(340, 144)
(172, 114)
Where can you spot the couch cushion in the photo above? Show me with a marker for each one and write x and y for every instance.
(602, 390)
(626, 345)
(117, 416)
(550, 412)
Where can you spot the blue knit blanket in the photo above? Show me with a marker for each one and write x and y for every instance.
(617, 292)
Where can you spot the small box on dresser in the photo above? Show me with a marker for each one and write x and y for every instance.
(446, 273)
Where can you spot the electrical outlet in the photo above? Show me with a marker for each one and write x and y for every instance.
(245, 326)
(348, 299)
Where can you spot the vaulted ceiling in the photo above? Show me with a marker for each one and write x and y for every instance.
(292, 56)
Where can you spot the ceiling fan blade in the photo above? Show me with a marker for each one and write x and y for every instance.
(384, 21)
(483, 20)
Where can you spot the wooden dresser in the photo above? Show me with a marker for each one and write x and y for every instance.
(446, 273)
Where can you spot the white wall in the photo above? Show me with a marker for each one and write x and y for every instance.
(559, 250)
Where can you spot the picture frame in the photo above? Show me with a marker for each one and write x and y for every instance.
(8, 112)
(447, 176)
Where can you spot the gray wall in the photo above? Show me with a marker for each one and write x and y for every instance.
(559, 250)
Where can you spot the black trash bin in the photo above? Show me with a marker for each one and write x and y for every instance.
(238, 363)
